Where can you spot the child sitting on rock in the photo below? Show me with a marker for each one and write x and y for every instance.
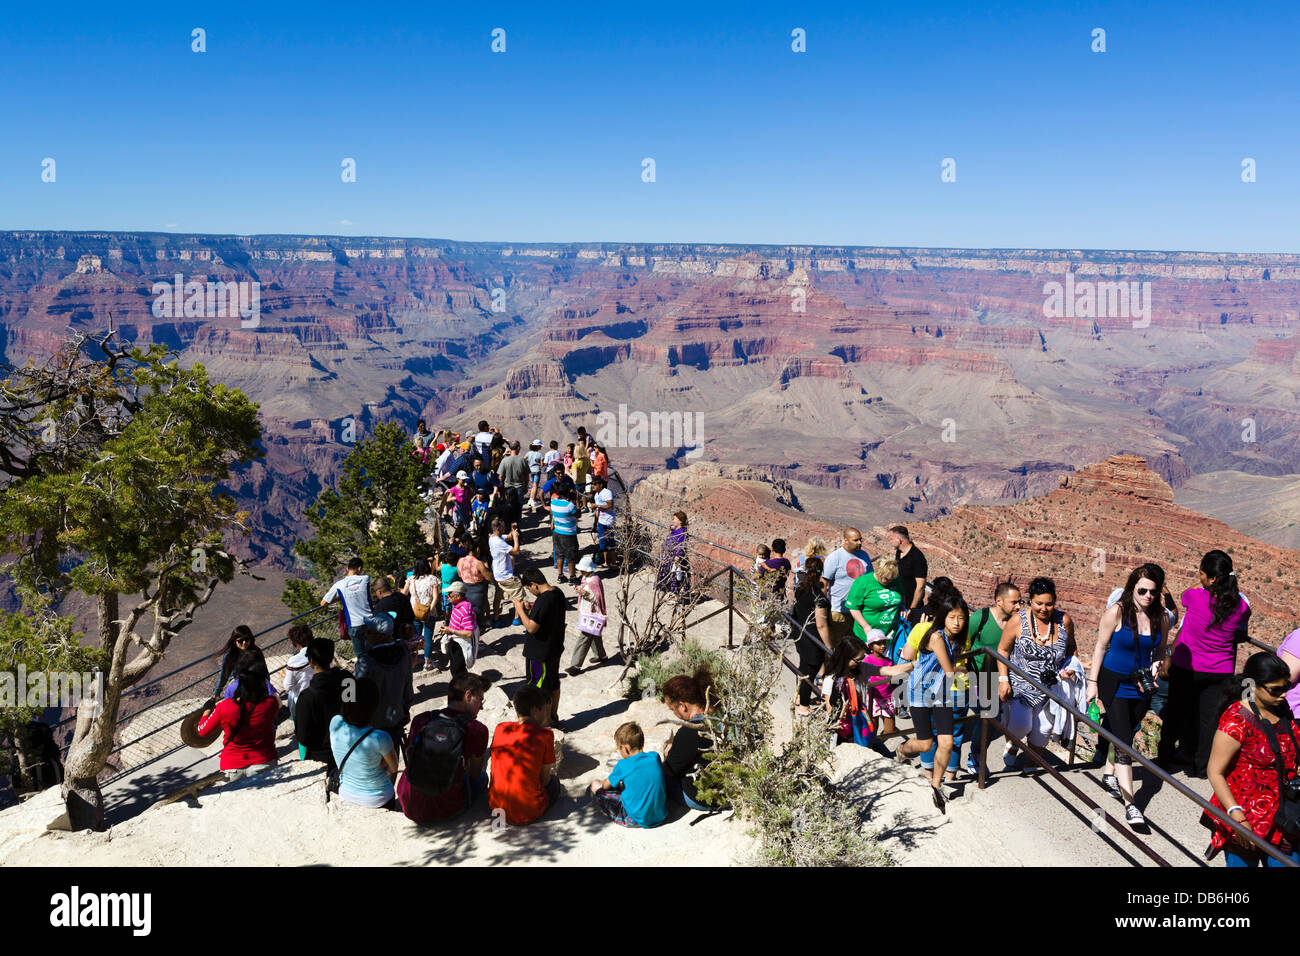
(633, 795)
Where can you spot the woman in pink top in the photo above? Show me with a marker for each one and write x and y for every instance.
(1290, 654)
(1204, 655)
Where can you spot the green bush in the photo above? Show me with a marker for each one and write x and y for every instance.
(684, 658)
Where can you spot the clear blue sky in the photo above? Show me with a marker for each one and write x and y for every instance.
(1139, 147)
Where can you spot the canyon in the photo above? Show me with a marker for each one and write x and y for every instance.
(872, 384)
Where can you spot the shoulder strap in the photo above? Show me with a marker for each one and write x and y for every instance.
(984, 619)
(369, 731)
(1271, 735)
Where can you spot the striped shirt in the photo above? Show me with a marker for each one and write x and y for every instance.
(564, 514)
(461, 617)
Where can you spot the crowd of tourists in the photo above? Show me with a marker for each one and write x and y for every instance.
(876, 641)
(484, 490)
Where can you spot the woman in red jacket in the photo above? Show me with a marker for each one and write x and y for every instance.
(248, 720)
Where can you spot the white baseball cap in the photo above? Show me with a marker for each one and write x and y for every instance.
(462, 476)
(536, 442)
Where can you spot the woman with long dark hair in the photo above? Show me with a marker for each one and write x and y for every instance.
(1038, 641)
(422, 586)
(1204, 653)
(811, 611)
(1254, 755)
(1130, 648)
(248, 719)
(934, 691)
(241, 639)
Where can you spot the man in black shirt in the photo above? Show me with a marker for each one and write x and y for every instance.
(319, 702)
(544, 644)
(398, 605)
(912, 572)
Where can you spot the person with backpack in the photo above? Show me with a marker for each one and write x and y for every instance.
(366, 756)
(1253, 765)
(388, 664)
(936, 691)
(446, 754)
(248, 720)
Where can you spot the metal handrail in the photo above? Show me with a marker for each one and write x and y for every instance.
(1128, 749)
(1182, 788)
(139, 688)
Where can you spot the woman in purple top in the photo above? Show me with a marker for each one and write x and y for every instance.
(674, 567)
(1290, 654)
(1204, 654)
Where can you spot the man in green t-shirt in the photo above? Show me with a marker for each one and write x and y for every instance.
(988, 624)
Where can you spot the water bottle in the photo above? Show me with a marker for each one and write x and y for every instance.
(1094, 711)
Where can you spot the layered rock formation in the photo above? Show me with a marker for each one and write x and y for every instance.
(899, 383)
(1087, 534)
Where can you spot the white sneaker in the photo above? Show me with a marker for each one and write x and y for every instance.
(1134, 816)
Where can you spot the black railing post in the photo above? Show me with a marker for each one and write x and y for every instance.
(731, 604)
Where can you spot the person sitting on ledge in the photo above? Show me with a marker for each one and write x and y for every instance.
(248, 720)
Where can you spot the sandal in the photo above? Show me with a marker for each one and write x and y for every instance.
(940, 800)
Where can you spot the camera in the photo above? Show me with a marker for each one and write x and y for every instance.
(1049, 678)
(1142, 679)
(1291, 790)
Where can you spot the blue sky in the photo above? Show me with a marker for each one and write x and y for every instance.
(1139, 147)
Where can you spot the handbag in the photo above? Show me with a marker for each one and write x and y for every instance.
(855, 723)
(591, 622)
(332, 784)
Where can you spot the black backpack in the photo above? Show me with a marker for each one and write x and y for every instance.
(437, 755)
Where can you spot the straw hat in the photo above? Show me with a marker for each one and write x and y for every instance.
(190, 730)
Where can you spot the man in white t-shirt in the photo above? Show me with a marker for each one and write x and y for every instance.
(504, 553)
(843, 566)
(483, 441)
(602, 502)
(535, 458)
(552, 457)
(353, 592)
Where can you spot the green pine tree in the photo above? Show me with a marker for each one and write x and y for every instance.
(374, 513)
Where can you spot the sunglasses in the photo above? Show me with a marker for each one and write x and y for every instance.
(1277, 690)
(1142, 592)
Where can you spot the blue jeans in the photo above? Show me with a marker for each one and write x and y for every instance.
(425, 631)
(674, 787)
(353, 634)
(1262, 859)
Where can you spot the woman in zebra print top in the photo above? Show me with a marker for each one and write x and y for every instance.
(1039, 640)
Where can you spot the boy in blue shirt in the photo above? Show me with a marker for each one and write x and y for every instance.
(633, 795)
